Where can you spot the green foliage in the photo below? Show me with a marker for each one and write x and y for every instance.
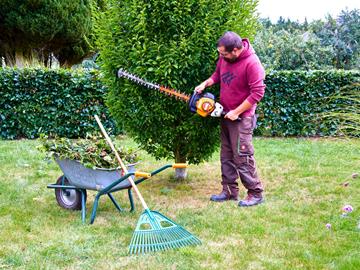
(171, 43)
(320, 44)
(290, 50)
(60, 102)
(92, 152)
(295, 100)
(38, 29)
(346, 110)
(343, 34)
(55, 102)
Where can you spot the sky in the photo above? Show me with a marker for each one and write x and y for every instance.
(299, 9)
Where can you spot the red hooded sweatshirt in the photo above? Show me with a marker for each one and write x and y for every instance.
(240, 80)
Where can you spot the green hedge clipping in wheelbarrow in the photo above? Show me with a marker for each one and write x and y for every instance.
(92, 152)
(88, 164)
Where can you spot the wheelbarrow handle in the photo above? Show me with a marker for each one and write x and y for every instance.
(179, 165)
(123, 167)
(142, 174)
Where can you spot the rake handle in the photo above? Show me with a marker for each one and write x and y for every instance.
(123, 167)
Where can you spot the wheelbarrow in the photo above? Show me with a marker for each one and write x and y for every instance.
(71, 187)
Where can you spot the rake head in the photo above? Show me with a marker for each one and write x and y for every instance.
(155, 232)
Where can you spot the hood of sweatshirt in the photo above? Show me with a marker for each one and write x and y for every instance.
(247, 51)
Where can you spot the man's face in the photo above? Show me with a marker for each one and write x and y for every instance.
(228, 56)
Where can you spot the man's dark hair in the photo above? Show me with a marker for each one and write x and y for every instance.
(230, 40)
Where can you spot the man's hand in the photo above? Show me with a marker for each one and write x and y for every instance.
(209, 82)
(200, 87)
(232, 115)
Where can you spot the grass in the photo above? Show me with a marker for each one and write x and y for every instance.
(304, 191)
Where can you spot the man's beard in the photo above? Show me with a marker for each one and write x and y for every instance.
(230, 60)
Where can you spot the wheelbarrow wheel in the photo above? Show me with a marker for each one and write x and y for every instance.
(68, 198)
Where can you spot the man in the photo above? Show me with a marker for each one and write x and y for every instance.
(241, 77)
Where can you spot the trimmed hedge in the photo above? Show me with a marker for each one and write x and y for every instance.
(63, 102)
(294, 100)
(50, 101)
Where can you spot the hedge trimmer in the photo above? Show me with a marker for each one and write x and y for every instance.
(203, 104)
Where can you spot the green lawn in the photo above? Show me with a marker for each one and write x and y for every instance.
(302, 178)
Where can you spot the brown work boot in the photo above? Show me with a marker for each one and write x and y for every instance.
(223, 196)
(251, 200)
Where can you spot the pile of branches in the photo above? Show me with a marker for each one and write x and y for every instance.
(92, 152)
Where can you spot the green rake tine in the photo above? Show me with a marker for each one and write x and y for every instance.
(176, 240)
(150, 242)
(163, 245)
(140, 246)
(144, 243)
(180, 237)
(149, 247)
(183, 237)
(154, 239)
(154, 246)
(147, 243)
(188, 238)
(173, 240)
(158, 242)
(137, 247)
(166, 240)
(133, 243)
(143, 235)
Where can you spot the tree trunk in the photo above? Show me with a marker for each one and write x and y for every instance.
(180, 174)
(24, 58)
(20, 59)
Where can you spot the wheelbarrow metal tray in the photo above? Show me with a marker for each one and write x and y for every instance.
(93, 179)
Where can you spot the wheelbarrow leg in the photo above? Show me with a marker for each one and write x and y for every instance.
(131, 200)
(95, 205)
(115, 202)
(83, 206)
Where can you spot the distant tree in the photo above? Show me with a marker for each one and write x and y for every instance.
(343, 34)
(288, 25)
(32, 31)
(284, 50)
(333, 43)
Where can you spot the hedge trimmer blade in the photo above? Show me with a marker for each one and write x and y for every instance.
(171, 92)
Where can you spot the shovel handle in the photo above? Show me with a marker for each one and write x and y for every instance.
(123, 167)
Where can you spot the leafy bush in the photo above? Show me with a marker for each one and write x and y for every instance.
(62, 103)
(92, 152)
(294, 101)
(171, 43)
(55, 102)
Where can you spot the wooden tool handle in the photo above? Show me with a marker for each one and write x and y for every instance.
(123, 167)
